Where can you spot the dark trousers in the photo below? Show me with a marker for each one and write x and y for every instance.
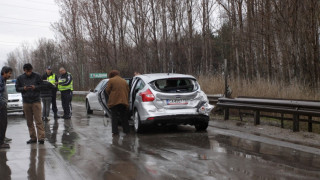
(119, 113)
(66, 98)
(54, 102)
(3, 123)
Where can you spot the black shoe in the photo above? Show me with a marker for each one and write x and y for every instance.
(41, 141)
(66, 117)
(31, 141)
(7, 139)
(4, 145)
(56, 116)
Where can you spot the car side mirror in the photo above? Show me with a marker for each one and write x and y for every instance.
(90, 90)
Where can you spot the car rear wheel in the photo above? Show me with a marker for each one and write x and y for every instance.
(89, 111)
(201, 126)
(138, 127)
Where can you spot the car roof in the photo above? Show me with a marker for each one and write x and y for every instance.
(155, 76)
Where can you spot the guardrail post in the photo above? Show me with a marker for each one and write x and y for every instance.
(310, 124)
(295, 123)
(256, 117)
(226, 113)
(282, 125)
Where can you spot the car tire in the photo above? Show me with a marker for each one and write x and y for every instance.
(201, 126)
(89, 111)
(138, 127)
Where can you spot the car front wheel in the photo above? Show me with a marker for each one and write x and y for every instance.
(89, 111)
(137, 123)
(201, 126)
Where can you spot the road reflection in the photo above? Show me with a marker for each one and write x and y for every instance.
(148, 156)
(5, 171)
(36, 166)
(69, 136)
(51, 135)
(255, 150)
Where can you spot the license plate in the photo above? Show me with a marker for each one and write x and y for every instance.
(177, 102)
(12, 105)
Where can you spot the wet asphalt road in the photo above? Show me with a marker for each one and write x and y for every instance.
(83, 148)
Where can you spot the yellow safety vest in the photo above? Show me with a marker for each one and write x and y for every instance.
(64, 88)
(52, 79)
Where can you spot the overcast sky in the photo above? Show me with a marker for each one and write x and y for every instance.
(25, 21)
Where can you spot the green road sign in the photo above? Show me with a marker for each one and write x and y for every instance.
(98, 75)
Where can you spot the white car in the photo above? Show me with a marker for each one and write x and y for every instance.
(14, 99)
(92, 103)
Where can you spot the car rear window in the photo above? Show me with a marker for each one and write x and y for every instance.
(175, 85)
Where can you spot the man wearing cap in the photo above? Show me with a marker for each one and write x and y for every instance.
(53, 79)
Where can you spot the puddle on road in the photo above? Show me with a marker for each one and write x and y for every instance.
(253, 149)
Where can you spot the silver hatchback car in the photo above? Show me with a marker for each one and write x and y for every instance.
(168, 99)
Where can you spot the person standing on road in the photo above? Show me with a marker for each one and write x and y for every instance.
(118, 91)
(46, 97)
(65, 86)
(53, 79)
(29, 84)
(5, 74)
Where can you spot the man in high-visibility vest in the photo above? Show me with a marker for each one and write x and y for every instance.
(53, 79)
(65, 86)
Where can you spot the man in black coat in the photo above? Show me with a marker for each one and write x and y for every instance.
(29, 84)
(53, 79)
(46, 97)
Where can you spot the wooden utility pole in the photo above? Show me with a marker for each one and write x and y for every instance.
(226, 110)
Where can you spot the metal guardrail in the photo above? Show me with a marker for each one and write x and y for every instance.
(283, 106)
(213, 98)
(82, 93)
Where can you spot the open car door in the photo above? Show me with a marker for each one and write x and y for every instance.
(103, 98)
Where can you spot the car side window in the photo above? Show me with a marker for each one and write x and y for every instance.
(99, 86)
(140, 85)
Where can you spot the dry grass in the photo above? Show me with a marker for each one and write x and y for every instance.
(257, 88)
(215, 85)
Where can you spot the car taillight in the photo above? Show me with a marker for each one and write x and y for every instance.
(147, 96)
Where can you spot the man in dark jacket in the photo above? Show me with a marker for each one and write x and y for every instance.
(118, 91)
(29, 84)
(5, 74)
(53, 79)
(65, 86)
(46, 97)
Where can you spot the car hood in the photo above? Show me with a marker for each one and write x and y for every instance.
(14, 96)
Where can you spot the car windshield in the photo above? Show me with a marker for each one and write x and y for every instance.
(179, 85)
(11, 89)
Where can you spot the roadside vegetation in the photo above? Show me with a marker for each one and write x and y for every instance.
(258, 88)
(262, 88)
